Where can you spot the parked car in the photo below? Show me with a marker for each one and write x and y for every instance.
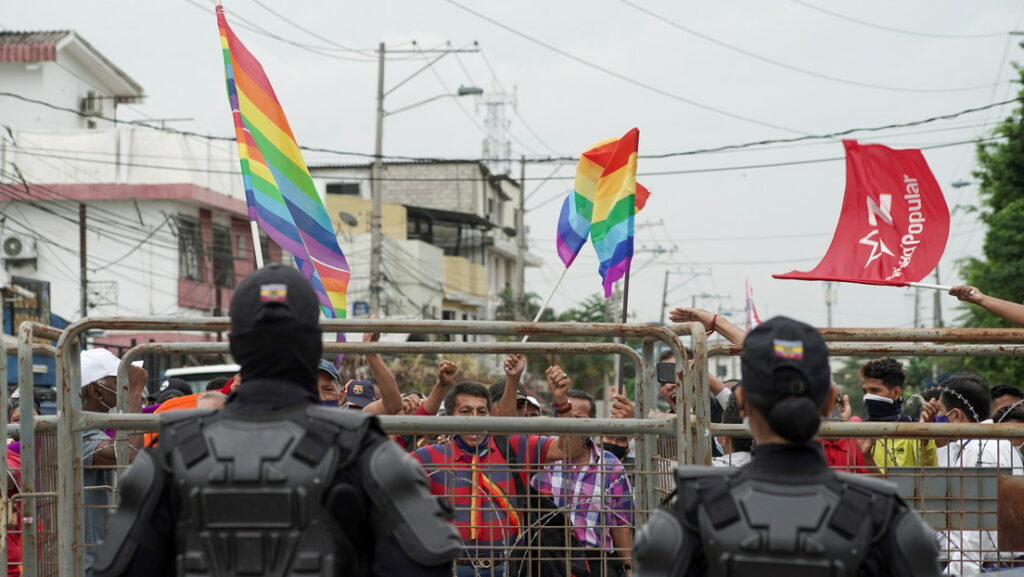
(197, 377)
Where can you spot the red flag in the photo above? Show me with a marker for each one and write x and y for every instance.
(894, 223)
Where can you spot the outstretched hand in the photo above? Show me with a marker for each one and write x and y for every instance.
(622, 408)
(691, 315)
(967, 294)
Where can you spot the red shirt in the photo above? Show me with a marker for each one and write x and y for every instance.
(844, 455)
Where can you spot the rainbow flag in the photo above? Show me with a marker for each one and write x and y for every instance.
(601, 205)
(278, 187)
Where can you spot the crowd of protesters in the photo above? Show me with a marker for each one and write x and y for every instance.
(496, 483)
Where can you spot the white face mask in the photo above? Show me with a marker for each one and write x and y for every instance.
(106, 406)
(870, 397)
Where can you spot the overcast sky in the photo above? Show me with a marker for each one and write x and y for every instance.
(931, 58)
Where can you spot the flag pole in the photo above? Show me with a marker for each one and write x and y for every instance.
(625, 313)
(925, 285)
(544, 306)
(257, 247)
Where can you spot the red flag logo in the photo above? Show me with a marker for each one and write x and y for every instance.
(894, 222)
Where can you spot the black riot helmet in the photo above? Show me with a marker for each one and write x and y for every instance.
(274, 327)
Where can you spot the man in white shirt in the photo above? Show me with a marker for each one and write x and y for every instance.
(965, 399)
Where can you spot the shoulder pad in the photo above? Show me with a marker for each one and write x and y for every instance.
(140, 491)
(171, 418)
(871, 484)
(344, 418)
(398, 487)
(694, 473)
(916, 552)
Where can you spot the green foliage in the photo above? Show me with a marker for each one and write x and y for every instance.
(1001, 272)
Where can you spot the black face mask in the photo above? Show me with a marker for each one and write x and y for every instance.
(619, 451)
(882, 409)
(274, 328)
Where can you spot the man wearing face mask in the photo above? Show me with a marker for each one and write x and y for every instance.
(274, 484)
(882, 382)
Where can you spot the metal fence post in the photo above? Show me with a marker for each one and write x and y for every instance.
(698, 379)
(69, 458)
(646, 397)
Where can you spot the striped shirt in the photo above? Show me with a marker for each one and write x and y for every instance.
(449, 470)
(596, 494)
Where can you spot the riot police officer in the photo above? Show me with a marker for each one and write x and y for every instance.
(275, 484)
(785, 513)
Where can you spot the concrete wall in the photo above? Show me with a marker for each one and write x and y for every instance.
(393, 216)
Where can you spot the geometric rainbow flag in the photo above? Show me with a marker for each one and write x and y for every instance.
(602, 206)
(278, 188)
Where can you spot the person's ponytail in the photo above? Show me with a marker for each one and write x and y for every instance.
(795, 419)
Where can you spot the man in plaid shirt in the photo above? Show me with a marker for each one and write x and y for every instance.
(593, 488)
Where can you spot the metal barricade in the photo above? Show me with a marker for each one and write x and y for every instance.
(662, 441)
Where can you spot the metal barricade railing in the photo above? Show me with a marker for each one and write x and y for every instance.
(74, 419)
(689, 429)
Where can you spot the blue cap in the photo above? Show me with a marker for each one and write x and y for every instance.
(328, 367)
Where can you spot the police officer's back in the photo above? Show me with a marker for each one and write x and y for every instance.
(785, 513)
(275, 484)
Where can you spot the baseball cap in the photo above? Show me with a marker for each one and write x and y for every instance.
(785, 357)
(98, 363)
(359, 393)
(329, 368)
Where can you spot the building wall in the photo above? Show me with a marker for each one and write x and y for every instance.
(49, 82)
(393, 216)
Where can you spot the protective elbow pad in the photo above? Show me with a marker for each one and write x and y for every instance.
(140, 491)
(917, 552)
(398, 488)
(659, 549)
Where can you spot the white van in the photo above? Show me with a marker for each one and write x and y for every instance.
(197, 377)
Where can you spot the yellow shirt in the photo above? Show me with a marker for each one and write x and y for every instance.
(904, 453)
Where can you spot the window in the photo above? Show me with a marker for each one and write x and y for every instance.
(223, 263)
(344, 188)
(190, 249)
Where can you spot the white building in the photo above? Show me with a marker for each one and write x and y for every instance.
(165, 223)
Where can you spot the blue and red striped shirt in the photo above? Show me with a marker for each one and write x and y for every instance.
(449, 469)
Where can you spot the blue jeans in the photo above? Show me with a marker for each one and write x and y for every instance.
(470, 571)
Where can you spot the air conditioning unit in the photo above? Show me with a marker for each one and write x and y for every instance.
(17, 247)
(92, 104)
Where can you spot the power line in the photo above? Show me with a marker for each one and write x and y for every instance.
(620, 76)
(540, 159)
(791, 67)
(896, 30)
(366, 53)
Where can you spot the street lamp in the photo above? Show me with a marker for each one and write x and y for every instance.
(378, 164)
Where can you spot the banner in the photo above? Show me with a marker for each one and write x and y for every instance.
(894, 222)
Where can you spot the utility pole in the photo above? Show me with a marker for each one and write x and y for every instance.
(664, 297)
(82, 262)
(937, 303)
(830, 299)
(520, 282)
(375, 191)
(917, 307)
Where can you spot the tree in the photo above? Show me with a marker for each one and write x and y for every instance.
(1000, 272)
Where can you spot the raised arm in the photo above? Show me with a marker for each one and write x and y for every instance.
(446, 372)
(559, 384)
(514, 366)
(390, 398)
(1008, 311)
(711, 321)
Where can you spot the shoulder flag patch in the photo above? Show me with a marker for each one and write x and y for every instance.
(789, 349)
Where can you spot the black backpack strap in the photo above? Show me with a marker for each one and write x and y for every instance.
(878, 498)
(182, 431)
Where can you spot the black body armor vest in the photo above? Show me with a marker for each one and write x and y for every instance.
(253, 493)
(753, 527)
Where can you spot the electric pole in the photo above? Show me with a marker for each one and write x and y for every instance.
(664, 298)
(519, 293)
(830, 299)
(82, 261)
(375, 191)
